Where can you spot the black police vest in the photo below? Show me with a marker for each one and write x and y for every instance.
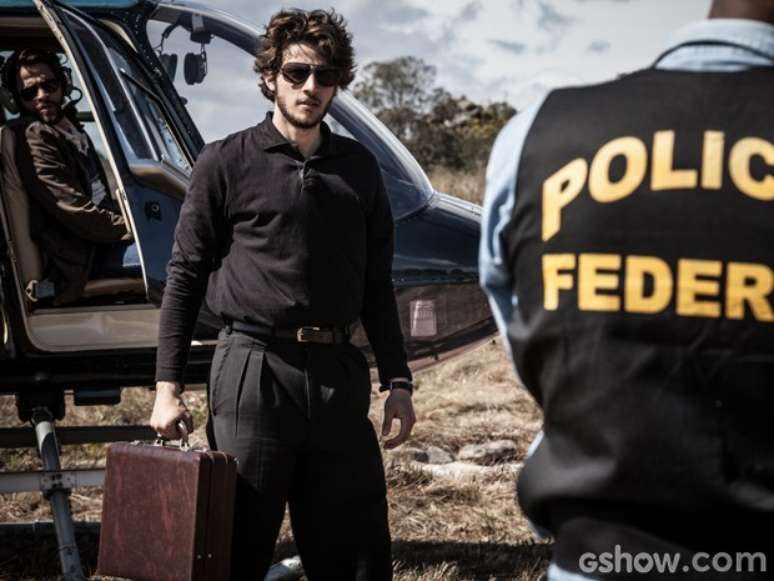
(642, 254)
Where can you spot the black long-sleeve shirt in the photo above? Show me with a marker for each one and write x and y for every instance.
(279, 240)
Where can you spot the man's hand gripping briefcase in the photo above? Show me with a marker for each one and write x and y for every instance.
(167, 513)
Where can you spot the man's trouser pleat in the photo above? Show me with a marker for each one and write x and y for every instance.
(326, 463)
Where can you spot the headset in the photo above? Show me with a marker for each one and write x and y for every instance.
(194, 65)
(9, 91)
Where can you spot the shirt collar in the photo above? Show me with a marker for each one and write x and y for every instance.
(755, 35)
(270, 137)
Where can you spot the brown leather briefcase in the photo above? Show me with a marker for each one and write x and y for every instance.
(166, 513)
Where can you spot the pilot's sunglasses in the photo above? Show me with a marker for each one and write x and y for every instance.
(298, 73)
(29, 93)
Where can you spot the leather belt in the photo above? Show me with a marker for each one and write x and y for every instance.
(330, 334)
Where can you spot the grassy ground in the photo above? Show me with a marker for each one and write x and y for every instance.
(444, 528)
(463, 184)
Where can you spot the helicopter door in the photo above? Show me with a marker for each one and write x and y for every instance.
(151, 166)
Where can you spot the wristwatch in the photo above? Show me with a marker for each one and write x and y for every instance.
(399, 384)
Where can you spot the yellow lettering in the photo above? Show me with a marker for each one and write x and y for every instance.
(636, 155)
(664, 176)
(739, 167)
(690, 286)
(554, 280)
(637, 267)
(751, 284)
(712, 160)
(591, 281)
(559, 190)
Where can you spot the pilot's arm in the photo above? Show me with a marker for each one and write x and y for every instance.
(379, 313)
(198, 239)
(56, 188)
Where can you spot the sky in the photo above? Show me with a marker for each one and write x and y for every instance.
(487, 50)
(506, 49)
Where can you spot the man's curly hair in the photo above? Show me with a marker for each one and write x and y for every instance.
(326, 31)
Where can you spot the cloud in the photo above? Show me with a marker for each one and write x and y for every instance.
(513, 47)
(399, 13)
(598, 45)
(554, 23)
(470, 11)
(551, 20)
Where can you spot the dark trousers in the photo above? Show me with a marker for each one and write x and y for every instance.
(296, 417)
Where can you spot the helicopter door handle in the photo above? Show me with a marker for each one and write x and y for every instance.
(153, 211)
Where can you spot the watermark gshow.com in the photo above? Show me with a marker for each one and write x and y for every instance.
(620, 561)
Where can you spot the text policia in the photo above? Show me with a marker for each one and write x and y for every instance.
(748, 286)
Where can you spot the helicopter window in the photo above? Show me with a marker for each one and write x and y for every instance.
(149, 106)
(130, 132)
(215, 79)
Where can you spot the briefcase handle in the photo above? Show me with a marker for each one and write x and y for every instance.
(184, 445)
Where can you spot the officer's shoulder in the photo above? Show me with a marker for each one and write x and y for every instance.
(602, 85)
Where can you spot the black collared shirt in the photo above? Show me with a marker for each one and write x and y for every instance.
(279, 240)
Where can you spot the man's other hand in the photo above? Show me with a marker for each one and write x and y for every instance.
(398, 406)
(168, 410)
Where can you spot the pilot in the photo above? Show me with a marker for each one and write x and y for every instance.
(287, 229)
(75, 222)
(627, 253)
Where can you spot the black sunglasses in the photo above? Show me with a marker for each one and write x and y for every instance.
(298, 73)
(49, 86)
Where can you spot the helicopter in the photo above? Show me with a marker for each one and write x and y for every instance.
(144, 126)
(148, 119)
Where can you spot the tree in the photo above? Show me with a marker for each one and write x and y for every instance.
(438, 128)
(405, 82)
(398, 91)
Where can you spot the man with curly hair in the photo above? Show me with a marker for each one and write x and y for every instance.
(287, 228)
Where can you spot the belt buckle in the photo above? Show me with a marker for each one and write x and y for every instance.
(306, 334)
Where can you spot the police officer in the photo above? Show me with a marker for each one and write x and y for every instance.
(627, 251)
(287, 228)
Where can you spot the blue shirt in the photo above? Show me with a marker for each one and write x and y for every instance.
(718, 45)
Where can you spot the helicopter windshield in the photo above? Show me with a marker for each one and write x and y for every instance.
(209, 56)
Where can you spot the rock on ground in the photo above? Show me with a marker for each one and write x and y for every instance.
(496, 452)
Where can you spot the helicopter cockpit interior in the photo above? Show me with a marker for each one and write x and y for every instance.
(106, 304)
(30, 259)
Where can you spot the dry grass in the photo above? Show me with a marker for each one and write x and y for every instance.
(468, 185)
(450, 529)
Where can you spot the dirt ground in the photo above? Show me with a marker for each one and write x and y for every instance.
(450, 528)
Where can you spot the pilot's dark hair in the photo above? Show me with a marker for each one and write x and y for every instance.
(325, 30)
(30, 56)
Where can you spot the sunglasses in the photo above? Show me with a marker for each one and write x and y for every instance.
(298, 73)
(50, 86)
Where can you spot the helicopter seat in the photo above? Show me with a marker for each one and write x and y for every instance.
(28, 258)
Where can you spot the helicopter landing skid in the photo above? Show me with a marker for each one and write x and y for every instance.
(55, 483)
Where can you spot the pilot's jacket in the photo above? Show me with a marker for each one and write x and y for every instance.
(59, 174)
(640, 252)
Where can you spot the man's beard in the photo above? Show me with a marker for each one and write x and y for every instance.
(301, 123)
(50, 118)
(53, 119)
